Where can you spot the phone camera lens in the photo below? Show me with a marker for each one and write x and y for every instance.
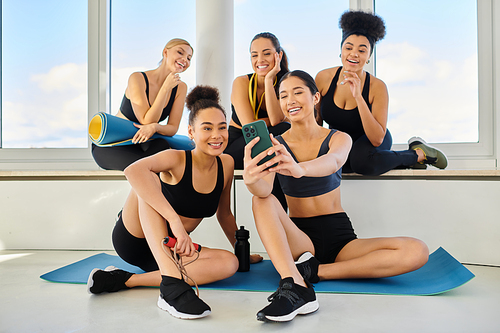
(252, 130)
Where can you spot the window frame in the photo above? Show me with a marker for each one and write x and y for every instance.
(480, 155)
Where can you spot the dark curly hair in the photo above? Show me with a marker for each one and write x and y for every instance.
(201, 98)
(361, 23)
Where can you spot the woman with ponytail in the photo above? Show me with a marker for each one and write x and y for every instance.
(254, 97)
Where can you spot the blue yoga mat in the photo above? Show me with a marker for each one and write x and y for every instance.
(106, 130)
(441, 273)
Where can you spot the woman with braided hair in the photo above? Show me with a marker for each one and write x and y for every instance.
(355, 102)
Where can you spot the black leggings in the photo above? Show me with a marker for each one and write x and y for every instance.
(120, 157)
(368, 160)
(236, 148)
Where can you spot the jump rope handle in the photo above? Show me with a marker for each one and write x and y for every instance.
(170, 242)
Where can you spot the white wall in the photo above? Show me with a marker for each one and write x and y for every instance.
(461, 216)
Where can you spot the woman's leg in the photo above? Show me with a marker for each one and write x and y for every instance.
(284, 242)
(212, 265)
(376, 258)
(120, 157)
(366, 159)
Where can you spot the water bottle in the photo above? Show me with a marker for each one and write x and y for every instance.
(242, 249)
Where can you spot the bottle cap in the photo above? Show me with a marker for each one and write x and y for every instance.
(242, 233)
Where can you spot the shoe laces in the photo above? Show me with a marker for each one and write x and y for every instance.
(285, 291)
(177, 260)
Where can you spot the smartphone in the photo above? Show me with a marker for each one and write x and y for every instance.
(258, 129)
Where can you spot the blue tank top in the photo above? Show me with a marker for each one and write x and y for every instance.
(186, 201)
(348, 121)
(128, 111)
(306, 187)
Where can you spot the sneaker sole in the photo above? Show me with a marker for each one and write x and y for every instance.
(307, 308)
(162, 304)
(440, 153)
(90, 281)
(304, 257)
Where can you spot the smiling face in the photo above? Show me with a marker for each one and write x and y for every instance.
(178, 57)
(262, 53)
(296, 99)
(209, 131)
(355, 52)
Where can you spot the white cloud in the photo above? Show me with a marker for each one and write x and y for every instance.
(62, 78)
(54, 116)
(432, 98)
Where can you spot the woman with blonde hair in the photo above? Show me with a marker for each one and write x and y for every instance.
(150, 98)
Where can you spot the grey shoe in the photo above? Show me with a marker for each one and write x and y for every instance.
(433, 156)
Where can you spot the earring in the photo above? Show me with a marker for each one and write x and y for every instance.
(368, 61)
(340, 55)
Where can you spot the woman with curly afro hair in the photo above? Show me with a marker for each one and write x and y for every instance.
(355, 102)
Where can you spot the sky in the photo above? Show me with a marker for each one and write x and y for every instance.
(428, 58)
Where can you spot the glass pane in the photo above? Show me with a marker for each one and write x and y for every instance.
(44, 74)
(429, 62)
(139, 32)
(308, 32)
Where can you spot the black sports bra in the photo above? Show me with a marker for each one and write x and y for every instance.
(306, 187)
(348, 121)
(186, 201)
(128, 111)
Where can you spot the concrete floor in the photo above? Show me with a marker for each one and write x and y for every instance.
(30, 304)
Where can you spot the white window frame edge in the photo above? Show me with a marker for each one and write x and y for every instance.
(72, 158)
(462, 155)
(482, 154)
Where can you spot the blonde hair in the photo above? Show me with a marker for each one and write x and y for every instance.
(177, 41)
(174, 42)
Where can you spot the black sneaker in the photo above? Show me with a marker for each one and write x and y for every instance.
(108, 280)
(433, 156)
(288, 301)
(307, 264)
(179, 299)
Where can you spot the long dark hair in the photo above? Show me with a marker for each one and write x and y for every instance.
(276, 43)
(305, 77)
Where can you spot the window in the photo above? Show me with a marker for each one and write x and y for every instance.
(139, 32)
(309, 34)
(429, 62)
(44, 74)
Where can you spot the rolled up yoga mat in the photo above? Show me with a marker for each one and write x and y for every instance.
(106, 130)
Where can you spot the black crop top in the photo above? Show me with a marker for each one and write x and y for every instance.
(262, 112)
(128, 111)
(348, 121)
(306, 187)
(186, 201)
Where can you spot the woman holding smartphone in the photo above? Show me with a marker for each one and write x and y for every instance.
(355, 102)
(316, 240)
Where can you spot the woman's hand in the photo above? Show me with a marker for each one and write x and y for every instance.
(171, 81)
(286, 164)
(354, 82)
(252, 172)
(184, 245)
(275, 70)
(144, 133)
(255, 258)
